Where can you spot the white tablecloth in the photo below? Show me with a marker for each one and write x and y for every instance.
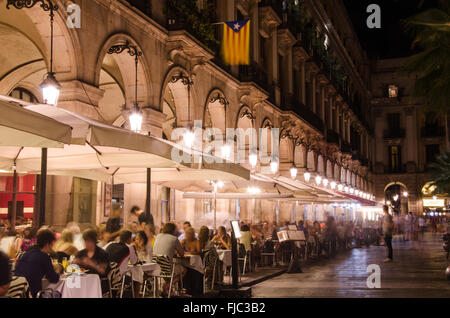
(6, 243)
(225, 257)
(77, 286)
(193, 261)
(137, 271)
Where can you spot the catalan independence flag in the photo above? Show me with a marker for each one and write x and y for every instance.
(236, 42)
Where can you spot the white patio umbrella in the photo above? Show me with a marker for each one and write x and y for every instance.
(98, 151)
(22, 130)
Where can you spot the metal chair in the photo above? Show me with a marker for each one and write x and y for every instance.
(114, 279)
(246, 259)
(124, 286)
(213, 274)
(167, 272)
(18, 288)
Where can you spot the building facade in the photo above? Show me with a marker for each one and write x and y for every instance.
(407, 139)
(308, 77)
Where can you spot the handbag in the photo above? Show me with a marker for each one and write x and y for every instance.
(49, 293)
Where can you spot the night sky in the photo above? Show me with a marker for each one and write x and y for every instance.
(391, 40)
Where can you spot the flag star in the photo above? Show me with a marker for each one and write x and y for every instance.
(237, 26)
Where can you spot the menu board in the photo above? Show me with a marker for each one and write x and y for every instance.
(291, 236)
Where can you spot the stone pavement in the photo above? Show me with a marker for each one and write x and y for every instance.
(417, 271)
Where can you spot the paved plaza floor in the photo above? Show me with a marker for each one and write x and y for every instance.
(417, 271)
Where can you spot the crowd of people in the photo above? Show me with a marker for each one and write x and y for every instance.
(44, 252)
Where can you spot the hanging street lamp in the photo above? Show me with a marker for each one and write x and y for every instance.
(189, 135)
(135, 115)
(50, 86)
(293, 172)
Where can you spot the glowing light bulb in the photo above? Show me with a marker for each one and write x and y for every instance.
(253, 160)
(318, 180)
(307, 176)
(293, 172)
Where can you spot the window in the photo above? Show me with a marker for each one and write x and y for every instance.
(393, 91)
(23, 94)
(395, 158)
(431, 152)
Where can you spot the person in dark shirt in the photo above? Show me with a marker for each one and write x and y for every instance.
(36, 263)
(114, 223)
(120, 251)
(92, 258)
(5, 274)
(146, 218)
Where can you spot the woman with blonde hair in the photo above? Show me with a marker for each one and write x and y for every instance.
(65, 243)
(191, 244)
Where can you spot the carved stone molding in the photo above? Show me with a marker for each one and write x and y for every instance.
(268, 21)
(323, 80)
(311, 69)
(285, 41)
(183, 49)
(299, 56)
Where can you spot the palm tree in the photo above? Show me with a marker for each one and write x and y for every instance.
(441, 173)
(431, 31)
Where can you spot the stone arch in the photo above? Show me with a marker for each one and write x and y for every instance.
(330, 169)
(216, 110)
(35, 22)
(348, 178)
(343, 175)
(311, 161)
(395, 183)
(245, 124)
(176, 94)
(115, 75)
(266, 142)
(320, 165)
(286, 150)
(300, 156)
(337, 172)
(25, 40)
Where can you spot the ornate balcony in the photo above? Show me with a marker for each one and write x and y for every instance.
(184, 15)
(308, 115)
(254, 73)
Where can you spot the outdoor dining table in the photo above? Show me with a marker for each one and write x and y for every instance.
(225, 258)
(76, 285)
(192, 261)
(137, 271)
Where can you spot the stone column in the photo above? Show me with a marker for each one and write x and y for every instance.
(411, 140)
(322, 103)
(330, 112)
(380, 154)
(254, 18)
(80, 98)
(303, 82)
(289, 68)
(313, 93)
(349, 124)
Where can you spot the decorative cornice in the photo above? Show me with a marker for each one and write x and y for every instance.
(285, 40)
(268, 21)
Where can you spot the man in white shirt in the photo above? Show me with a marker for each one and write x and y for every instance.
(186, 225)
